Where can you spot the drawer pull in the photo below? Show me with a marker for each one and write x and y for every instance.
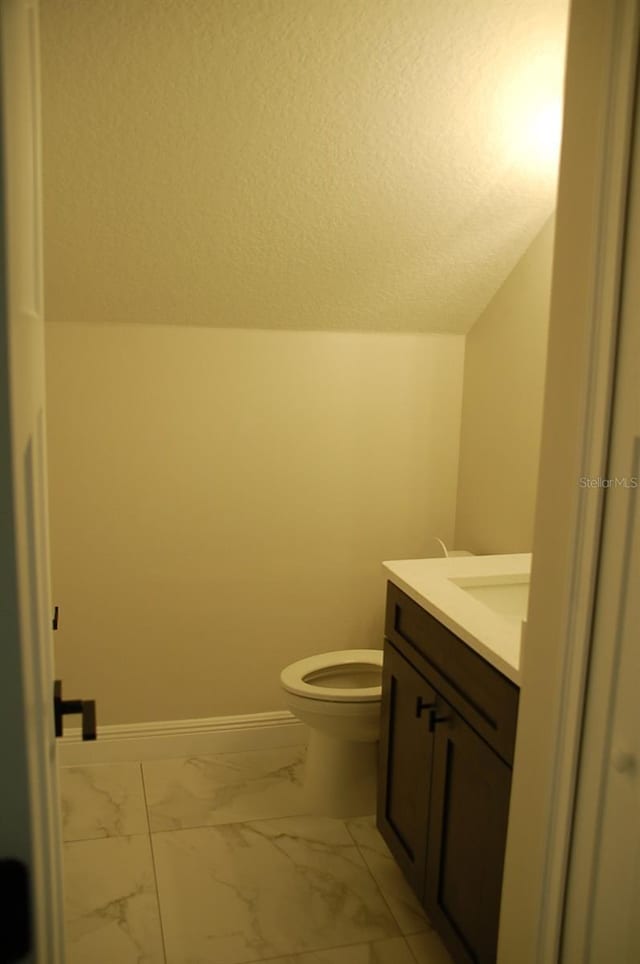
(423, 705)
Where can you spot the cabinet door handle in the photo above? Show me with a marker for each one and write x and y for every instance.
(434, 719)
(423, 705)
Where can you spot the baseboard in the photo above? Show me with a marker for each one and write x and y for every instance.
(126, 742)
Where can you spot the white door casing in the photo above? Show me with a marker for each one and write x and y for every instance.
(30, 826)
(589, 249)
(603, 897)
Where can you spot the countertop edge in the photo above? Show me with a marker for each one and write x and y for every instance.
(500, 629)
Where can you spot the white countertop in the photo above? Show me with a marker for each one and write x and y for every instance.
(482, 599)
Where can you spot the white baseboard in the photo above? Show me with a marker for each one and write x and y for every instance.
(126, 742)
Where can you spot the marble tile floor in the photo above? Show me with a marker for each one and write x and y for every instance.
(212, 860)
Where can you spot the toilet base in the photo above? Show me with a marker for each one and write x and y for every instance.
(340, 776)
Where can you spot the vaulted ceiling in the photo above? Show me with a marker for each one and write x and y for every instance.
(363, 165)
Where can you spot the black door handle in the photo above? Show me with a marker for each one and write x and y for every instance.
(434, 719)
(67, 707)
(422, 705)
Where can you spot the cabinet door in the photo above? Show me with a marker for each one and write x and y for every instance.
(404, 777)
(467, 836)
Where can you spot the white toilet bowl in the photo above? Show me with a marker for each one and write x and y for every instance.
(338, 695)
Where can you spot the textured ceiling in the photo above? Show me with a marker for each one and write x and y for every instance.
(326, 164)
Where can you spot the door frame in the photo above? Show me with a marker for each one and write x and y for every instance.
(593, 194)
(30, 831)
(603, 892)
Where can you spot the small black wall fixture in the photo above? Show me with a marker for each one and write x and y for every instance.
(69, 707)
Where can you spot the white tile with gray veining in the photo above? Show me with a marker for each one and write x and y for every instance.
(395, 950)
(111, 906)
(427, 948)
(225, 788)
(248, 891)
(102, 801)
(403, 903)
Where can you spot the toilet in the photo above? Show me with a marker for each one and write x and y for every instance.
(338, 696)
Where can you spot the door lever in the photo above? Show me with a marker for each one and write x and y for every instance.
(69, 707)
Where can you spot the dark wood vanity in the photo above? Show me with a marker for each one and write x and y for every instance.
(446, 752)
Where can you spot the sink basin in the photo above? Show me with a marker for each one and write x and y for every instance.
(506, 595)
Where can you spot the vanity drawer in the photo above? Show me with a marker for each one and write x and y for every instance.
(478, 691)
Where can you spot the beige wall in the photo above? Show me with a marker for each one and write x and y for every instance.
(502, 409)
(225, 478)
(221, 502)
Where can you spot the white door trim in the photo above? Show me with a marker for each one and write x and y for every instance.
(30, 825)
(603, 335)
(554, 671)
(600, 922)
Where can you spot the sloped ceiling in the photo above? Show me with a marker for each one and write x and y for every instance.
(309, 164)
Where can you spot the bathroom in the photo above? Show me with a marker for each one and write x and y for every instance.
(297, 268)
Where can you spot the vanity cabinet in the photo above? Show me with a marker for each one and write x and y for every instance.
(447, 739)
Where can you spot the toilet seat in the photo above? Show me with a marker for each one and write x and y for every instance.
(293, 676)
